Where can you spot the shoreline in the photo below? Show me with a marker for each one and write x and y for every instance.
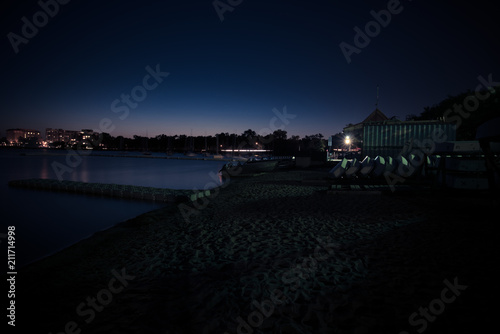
(124, 154)
(205, 274)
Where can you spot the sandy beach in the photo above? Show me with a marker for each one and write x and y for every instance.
(275, 253)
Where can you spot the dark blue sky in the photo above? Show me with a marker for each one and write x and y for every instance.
(227, 76)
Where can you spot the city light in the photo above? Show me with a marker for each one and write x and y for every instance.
(245, 150)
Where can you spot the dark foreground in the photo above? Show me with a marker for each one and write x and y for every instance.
(272, 254)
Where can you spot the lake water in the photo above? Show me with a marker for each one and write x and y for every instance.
(50, 221)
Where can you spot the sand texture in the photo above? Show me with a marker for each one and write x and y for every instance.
(277, 253)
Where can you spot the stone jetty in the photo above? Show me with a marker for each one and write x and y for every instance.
(113, 190)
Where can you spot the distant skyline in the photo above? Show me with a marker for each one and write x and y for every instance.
(205, 67)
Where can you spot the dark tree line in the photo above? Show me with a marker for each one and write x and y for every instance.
(466, 110)
(278, 142)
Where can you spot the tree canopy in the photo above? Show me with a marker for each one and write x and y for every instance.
(466, 110)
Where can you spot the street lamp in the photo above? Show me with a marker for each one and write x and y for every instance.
(348, 143)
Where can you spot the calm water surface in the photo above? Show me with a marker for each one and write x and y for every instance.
(50, 221)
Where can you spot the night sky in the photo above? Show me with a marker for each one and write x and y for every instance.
(228, 75)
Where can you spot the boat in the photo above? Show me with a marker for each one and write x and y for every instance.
(417, 160)
(405, 168)
(235, 168)
(390, 165)
(339, 169)
(353, 168)
(380, 166)
(367, 166)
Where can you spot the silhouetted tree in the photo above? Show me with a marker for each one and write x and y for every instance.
(466, 117)
(107, 140)
(249, 133)
(314, 143)
(280, 134)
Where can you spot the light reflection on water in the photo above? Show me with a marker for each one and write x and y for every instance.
(49, 221)
(44, 171)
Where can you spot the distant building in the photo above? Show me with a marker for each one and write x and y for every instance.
(356, 130)
(23, 136)
(69, 137)
(379, 135)
(86, 137)
(54, 135)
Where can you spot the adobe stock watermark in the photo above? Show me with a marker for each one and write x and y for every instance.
(372, 29)
(201, 202)
(30, 28)
(104, 297)
(121, 106)
(471, 102)
(436, 306)
(225, 6)
(418, 152)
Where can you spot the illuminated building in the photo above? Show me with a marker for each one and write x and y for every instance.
(21, 136)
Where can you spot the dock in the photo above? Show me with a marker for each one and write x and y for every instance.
(161, 195)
